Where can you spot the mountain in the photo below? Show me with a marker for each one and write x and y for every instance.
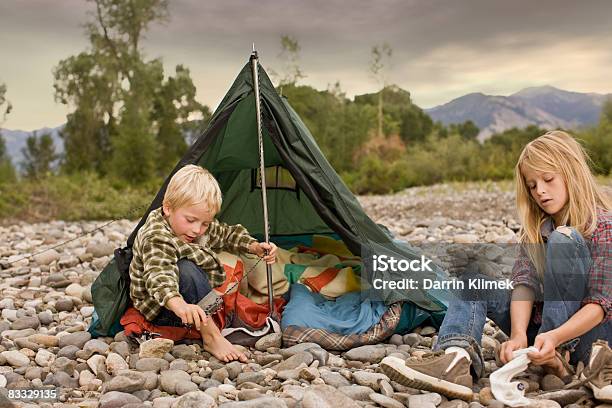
(16, 140)
(545, 106)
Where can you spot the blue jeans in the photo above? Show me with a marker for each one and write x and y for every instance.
(568, 261)
(193, 286)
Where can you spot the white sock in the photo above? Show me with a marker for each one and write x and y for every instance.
(461, 352)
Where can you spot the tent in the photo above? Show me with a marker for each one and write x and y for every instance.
(305, 196)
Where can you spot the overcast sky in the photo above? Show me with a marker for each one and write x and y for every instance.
(441, 49)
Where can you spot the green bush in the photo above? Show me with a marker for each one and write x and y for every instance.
(80, 196)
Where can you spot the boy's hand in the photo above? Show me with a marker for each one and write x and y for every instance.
(188, 313)
(516, 342)
(259, 249)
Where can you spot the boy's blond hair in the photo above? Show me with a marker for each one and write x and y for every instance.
(193, 185)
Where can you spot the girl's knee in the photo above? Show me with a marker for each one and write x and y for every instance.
(188, 269)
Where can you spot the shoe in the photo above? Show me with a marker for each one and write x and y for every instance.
(437, 372)
(599, 371)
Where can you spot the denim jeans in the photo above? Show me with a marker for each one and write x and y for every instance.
(193, 286)
(568, 262)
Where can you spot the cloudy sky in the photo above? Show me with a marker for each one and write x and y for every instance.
(441, 49)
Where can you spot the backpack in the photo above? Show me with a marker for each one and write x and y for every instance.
(111, 295)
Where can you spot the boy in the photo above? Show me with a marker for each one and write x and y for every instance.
(175, 265)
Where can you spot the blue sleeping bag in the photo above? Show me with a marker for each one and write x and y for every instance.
(348, 314)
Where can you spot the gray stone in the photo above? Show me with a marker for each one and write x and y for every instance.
(369, 379)
(324, 396)
(357, 392)
(170, 378)
(319, 354)
(152, 364)
(396, 339)
(551, 382)
(456, 403)
(116, 399)
(220, 374)
(179, 364)
(233, 369)
(563, 397)
(366, 354)
(184, 352)
(63, 364)
(28, 322)
(385, 401)
(262, 402)
(334, 379)
(269, 340)
(68, 352)
(62, 379)
(77, 339)
(298, 348)
(195, 399)
(254, 377)
(126, 382)
(294, 360)
(121, 348)
(16, 358)
(184, 387)
(64, 305)
(412, 339)
(422, 399)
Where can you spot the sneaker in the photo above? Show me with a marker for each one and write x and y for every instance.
(599, 371)
(437, 372)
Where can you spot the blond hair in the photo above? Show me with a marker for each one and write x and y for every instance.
(557, 152)
(193, 185)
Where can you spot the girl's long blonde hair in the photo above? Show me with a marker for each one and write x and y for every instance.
(557, 152)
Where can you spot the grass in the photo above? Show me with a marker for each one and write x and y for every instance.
(87, 196)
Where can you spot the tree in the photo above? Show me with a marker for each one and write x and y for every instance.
(380, 57)
(128, 119)
(7, 171)
(290, 55)
(39, 155)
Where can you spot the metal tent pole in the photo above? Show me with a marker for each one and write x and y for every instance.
(262, 172)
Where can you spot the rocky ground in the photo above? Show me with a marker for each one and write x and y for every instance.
(46, 307)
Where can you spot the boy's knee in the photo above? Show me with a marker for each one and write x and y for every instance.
(187, 268)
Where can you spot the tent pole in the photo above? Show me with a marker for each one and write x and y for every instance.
(262, 172)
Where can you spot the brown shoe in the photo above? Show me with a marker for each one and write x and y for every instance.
(435, 372)
(599, 371)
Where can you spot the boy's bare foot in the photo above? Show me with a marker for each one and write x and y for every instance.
(222, 349)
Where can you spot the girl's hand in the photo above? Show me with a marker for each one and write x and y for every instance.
(259, 249)
(516, 342)
(188, 313)
(547, 344)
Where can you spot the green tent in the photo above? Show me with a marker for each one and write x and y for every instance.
(305, 195)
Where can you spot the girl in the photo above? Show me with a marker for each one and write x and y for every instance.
(561, 301)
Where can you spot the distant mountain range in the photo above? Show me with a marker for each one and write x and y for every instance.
(16, 140)
(544, 106)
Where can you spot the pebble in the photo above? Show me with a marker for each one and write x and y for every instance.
(269, 341)
(386, 402)
(77, 339)
(366, 354)
(15, 358)
(116, 399)
(46, 305)
(551, 382)
(155, 348)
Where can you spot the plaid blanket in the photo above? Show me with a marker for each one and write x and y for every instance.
(293, 335)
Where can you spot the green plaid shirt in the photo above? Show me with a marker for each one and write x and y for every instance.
(156, 250)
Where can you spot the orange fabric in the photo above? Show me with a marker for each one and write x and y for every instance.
(316, 283)
(249, 312)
